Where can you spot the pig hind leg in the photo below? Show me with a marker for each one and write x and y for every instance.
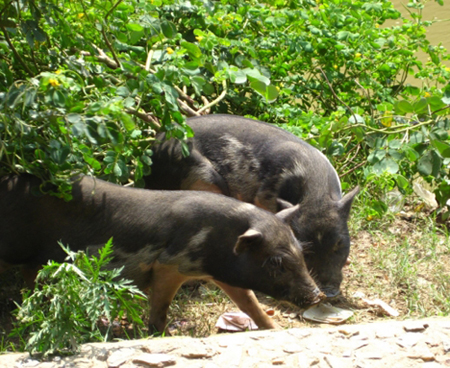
(246, 301)
(166, 280)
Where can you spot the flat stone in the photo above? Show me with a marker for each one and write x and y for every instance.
(84, 363)
(335, 362)
(210, 365)
(232, 357)
(409, 339)
(347, 354)
(421, 352)
(155, 360)
(431, 365)
(415, 326)
(30, 363)
(446, 346)
(292, 348)
(197, 352)
(252, 352)
(385, 333)
(102, 355)
(299, 332)
(48, 365)
(120, 356)
(372, 355)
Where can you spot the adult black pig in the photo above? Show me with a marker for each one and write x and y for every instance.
(271, 168)
(162, 238)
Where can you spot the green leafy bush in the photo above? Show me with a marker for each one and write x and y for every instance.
(72, 301)
(85, 85)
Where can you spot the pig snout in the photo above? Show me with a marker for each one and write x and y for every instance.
(331, 291)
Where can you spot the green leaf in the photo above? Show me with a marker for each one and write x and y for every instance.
(401, 181)
(169, 29)
(117, 170)
(59, 98)
(356, 119)
(403, 107)
(376, 156)
(395, 144)
(435, 102)
(429, 164)
(343, 35)
(446, 98)
(254, 75)
(259, 87)
(442, 147)
(134, 27)
(387, 164)
(420, 106)
(238, 76)
(411, 154)
(192, 49)
(271, 93)
(385, 106)
(127, 121)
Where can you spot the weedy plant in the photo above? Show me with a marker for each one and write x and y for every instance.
(71, 301)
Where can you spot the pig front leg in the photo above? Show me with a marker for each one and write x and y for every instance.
(246, 301)
(166, 280)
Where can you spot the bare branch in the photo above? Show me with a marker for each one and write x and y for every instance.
(16, 54)
(184, 95)
(147, 117)
(184, 106)
(102, 57)
(353, 169)
(335, 95)
(217, 100)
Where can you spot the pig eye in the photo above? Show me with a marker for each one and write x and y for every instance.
(275, 263)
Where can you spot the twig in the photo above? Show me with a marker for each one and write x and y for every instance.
(184, 95)
(106, 37)
(148, 62)
(206, 102)
(353, 169)
(347, 162)
(368, 97)
(184, 106)
(443, 108)
(110, 47)
(102, 57)
(147, 117)
(335, 95)
(16, 54)
(217, 100)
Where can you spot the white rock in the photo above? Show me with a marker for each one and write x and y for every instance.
(409, 339)
(119, 357)
(154, 360)
(415, 326)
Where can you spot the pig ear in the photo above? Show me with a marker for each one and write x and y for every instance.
(287, 214)
(250, 238)
(345, 203)
(282, 204)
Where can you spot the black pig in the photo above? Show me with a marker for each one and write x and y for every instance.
(261, 164)
(162, 238)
